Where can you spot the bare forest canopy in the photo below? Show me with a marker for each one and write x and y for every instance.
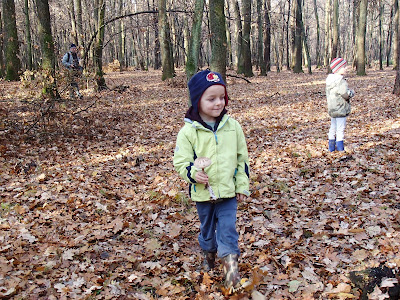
(133, 41)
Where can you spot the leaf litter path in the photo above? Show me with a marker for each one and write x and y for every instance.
(91, 207)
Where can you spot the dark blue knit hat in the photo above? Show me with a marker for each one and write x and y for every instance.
(202, 81)
(72, 46)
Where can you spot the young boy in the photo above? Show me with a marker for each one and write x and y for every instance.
(210, 132)
(70, 60)
(338, 97)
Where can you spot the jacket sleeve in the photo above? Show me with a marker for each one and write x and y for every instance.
(65, 61)
(184, 158)
(242, 173)
(343, 90)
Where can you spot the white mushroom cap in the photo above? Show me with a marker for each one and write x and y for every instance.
(202, 162)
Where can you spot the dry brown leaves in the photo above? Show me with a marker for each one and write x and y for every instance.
(91, 207)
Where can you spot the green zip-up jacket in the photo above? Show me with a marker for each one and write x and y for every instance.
(226, 147)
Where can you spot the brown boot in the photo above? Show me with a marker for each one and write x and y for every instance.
(231, 272)
(208, 261)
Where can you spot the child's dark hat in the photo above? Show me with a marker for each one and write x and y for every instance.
(202, 81)
(72, 46)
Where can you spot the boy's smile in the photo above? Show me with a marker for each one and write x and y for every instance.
(212, 103)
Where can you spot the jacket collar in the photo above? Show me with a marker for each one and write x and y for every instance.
(193, 115)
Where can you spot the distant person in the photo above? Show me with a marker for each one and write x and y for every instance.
(71, 62)
(338, 97)
(211, 134)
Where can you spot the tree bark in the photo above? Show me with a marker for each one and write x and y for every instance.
(317, 46)
(335, 29)
(79, 22)
(381, 10)
(396, 89)
(263, 68)
(2, 67)
(218, 37)
(192, 64)
(98, 47)
(297, 60)
(287, 35)
(362, 22)
(246, 49)
(121, 38)
(328, 34)
(168, 70)
(29, 59)
(396, 33)
(239, 37)
(13, 63)
(267, 36)
(389, 37)
(47, 46)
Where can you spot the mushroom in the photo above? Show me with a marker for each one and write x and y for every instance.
(201, 163)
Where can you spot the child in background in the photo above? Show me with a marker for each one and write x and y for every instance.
(338, 97)
(210, 132)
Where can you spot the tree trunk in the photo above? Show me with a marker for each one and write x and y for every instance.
(317, 47)
(121, 39)
(229, 38)
(168, 70)
(263, 69)
(297, 39)
(389, 37)
(192, 64)
(287, 35)
(47, 46)
(157, 46)
(98, 47)
(239, 37)
(335, 29)
(2, 67)
(218, 34)
(396, 33)
(71, 11)
(396, 89)
(267, 36)
(246, 49)
(362, 28)
(29, 60)
(277, 54)
(13, 63)
(381, 10)
(328, 34)
(304, 38)
(79, 22)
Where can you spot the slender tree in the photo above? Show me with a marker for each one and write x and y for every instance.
(13, 63)
(396, 89)
(218, 34)
(246, 49)
(260, 54)
(2, 67)
(381, 45)
(29, 59)
(317, 46)
(297, 37)
(79, 23)
(98, 47)
(267, 36)
(361, 31)
(396, 33)
(168, 70)
(47, 46)
(335, 29)
(195, 40)
(239, 36)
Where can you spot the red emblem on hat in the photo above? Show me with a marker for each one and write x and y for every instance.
(212, 77)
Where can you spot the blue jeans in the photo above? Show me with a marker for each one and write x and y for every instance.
(218, 227)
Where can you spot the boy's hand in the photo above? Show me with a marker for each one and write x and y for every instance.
(201, 177)
(240, 197)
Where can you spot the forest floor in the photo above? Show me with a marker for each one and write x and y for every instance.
(91, 207)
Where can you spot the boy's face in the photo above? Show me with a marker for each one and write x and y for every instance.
(342, 70)
(212, 102)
